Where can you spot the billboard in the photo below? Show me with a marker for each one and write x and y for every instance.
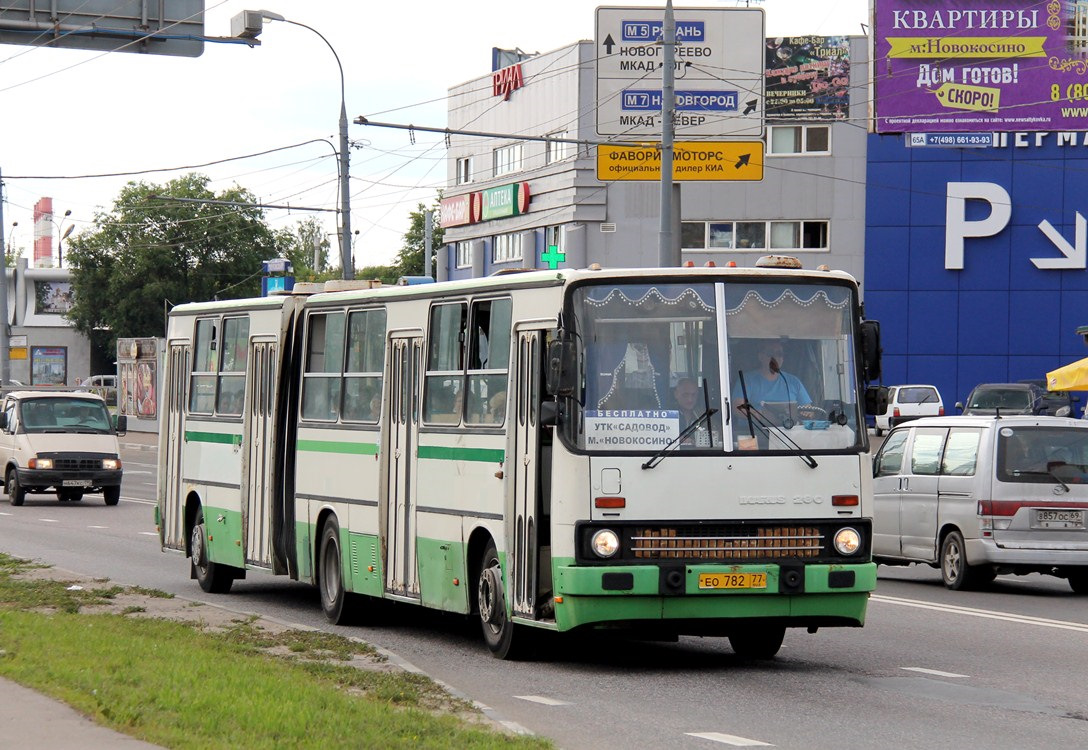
(807, 78)
(980, 65)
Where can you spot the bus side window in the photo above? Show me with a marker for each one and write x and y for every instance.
(324, 366)
(489, 361)
(202, 385)
(442, 398)
(363, 371)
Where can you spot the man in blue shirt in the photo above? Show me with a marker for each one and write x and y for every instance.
(770, 384)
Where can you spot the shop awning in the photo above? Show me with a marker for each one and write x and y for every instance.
(1072, 377)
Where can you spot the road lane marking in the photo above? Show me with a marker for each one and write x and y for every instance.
(935, 672)
(148, 533)
(985, 613)
(98, 527)
(49, 520)
(728, 739)
(542, 700)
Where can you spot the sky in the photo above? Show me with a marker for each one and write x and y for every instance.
(265, 118)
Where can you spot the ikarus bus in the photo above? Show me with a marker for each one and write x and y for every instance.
(665, 451)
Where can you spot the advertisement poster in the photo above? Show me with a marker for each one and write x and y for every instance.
(52, 297)
(980, 65)
(808, 78)
(48, 365)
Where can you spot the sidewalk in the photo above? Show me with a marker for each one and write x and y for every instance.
(31, 720)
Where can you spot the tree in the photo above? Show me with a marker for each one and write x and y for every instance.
(409, 261)
(297, 245)
(149, 253)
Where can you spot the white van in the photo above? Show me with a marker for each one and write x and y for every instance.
(979, 495)
(907, 402)
(60, 442)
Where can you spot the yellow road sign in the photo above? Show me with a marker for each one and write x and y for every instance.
(726, 160)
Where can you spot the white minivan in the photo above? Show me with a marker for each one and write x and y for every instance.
(60, 442)
(979, 496)
(907, 402)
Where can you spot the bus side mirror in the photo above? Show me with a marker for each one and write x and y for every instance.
(876, 399)
(549, 413)
(870, 349)
(562, 373)
(120, 424)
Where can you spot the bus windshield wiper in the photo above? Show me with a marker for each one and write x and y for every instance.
(767, 426)
(660, 455)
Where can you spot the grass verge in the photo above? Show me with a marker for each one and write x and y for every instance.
(181, 685)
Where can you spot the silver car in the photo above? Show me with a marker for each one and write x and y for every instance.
(978, 496)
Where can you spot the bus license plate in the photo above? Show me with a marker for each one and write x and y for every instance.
(1059, 519)
(732, 580)
(76, 483)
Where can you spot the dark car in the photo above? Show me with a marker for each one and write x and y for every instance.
(1056, 400)
(1005, 398)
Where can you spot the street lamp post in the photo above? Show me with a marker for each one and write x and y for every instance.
(346, 259)
(62, 236)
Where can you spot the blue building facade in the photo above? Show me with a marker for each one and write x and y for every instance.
(975, 258)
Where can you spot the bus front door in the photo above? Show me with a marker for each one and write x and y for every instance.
(170, 497)
(258, 430)
(524, 525)
(405, 355)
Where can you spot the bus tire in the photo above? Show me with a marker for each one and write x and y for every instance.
(335, 601)
(112, 495)
(757, 644)
(16, 493)
(212, 577)
(495, 622)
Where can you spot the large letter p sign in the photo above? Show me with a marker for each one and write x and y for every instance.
(957, 227)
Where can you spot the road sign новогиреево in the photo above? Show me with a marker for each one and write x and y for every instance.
(719, 63)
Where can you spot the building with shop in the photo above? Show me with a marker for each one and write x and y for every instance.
(515, 202)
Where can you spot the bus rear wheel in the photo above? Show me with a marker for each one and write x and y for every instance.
(335, 601)
(757, 644)
(212, 577)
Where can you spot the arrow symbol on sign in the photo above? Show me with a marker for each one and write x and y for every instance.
(742, 161)
(1075, 255)
(750, 106)
(609, 42)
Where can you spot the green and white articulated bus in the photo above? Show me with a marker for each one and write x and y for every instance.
(510, 448)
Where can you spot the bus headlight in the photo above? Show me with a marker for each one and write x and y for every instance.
(847, 541)
(605, 543)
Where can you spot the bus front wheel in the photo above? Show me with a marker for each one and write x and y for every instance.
(757, 644)
(491, 602)
(212, 577)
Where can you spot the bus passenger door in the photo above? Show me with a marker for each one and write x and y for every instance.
(527, 525)
(173, 504)
(405, 361)
(258, 431)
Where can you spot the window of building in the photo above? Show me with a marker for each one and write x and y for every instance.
(464, 170)
(489, 359)
(324, 366)
(791, 235)
(799, 139)
(553, 237)
(463, 254)
(508, 159)
(363, 371)
(442, 390)
(557, 150)
(506, 248)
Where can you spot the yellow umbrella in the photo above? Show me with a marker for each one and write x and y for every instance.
(1073, 377)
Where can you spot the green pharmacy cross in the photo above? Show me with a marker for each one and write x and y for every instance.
(553, 257)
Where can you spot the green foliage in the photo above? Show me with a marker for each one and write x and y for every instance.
(297, 245)
(409, 261)
(149, 253)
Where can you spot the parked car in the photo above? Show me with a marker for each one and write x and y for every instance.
(1056, 401)
(977, 496)
(1008, 398)
(60, 442)
(906, 402)
(104, 385)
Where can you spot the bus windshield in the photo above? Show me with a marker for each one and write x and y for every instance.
(777, 360)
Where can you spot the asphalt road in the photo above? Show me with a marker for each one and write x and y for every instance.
(1001, 668)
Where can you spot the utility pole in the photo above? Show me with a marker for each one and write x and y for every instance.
(428, 241)
(668, 251)
(5, 362)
